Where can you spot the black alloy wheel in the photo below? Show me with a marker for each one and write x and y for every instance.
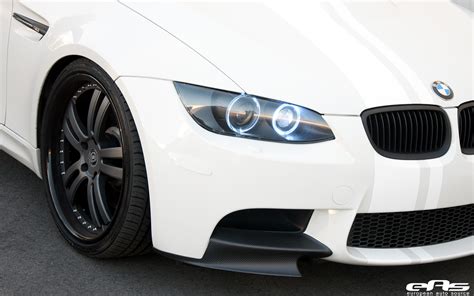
(94, 165)
(91, 159)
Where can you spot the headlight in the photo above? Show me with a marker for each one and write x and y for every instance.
(243, 115)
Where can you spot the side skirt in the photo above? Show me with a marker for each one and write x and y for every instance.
(20, 149)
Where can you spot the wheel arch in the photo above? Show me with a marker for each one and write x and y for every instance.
(51, 77)
(52, 74)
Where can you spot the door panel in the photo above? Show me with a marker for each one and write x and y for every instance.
(5, 19)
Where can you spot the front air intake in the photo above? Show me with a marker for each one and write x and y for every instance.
(466, 127)
(411, 229)
(408, 131)
(277, 220)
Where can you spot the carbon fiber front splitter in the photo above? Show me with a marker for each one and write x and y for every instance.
(259, 252)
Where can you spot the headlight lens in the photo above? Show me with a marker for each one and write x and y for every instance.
(243, 115)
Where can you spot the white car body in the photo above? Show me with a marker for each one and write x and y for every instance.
(333, 57)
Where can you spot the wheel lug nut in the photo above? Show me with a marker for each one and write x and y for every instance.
(84, 146)
(84, 167)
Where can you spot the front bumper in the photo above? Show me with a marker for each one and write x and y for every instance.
(196, 178)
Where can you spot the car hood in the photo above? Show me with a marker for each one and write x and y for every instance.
(334, 57)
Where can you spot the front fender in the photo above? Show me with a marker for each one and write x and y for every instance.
(120, 41)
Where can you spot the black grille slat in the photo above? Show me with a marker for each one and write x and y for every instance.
(408, 132)
(420, 134)
(466, 127)
(442, 130)
(437, 127)
(428, 132)
(394, 135)
(467, 141)
(403, 132)
(415, 129)
(436, 133)
(412, 229)
(382, 124)
(431, 128)
(463, 128)
(399, 132)
(387, 124)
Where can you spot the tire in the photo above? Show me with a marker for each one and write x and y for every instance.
(93, 166)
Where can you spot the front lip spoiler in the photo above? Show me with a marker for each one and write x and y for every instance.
(258, 252)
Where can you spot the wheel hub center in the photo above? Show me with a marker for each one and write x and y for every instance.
(93, 157)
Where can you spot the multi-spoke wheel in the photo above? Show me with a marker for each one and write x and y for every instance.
(94, 166)
(91, 155)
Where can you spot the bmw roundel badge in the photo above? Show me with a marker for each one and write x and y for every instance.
(443, 90)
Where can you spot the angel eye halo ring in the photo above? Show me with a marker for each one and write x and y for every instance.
(286, 119)
(243, 113)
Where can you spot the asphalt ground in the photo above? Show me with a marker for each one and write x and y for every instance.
(34, 259)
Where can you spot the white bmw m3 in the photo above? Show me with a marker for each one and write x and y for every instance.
(245, 136)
